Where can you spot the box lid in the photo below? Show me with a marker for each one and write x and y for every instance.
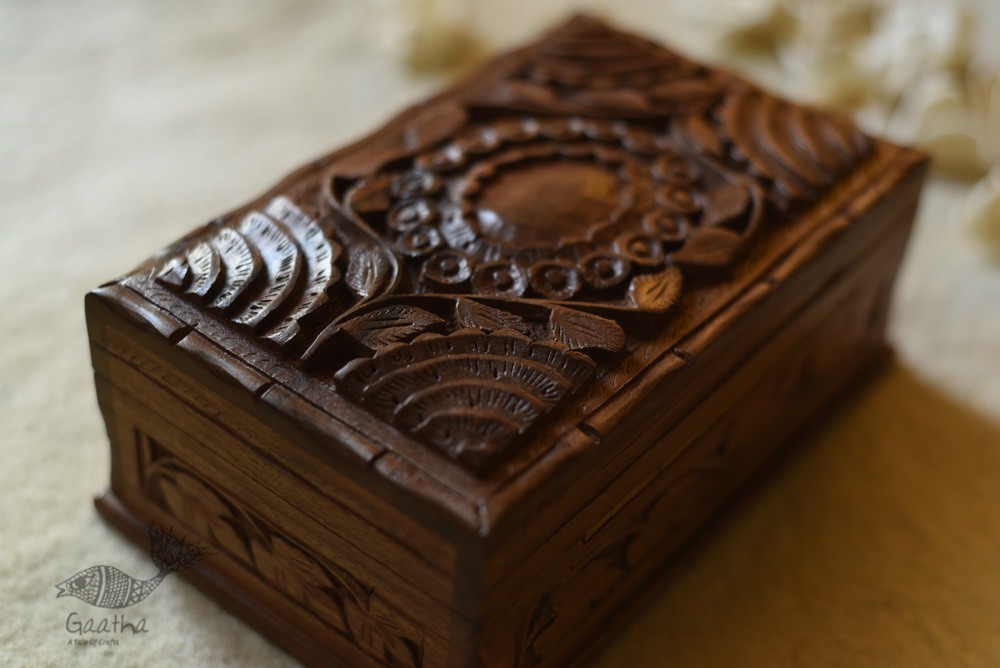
(480, 291)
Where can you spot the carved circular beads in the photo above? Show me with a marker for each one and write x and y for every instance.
(419, 241)
(556, 279)
(636, 195)
(446, 269)
(603, 270)
(407, 215)
(502, 279)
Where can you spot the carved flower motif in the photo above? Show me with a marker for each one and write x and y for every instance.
(438, 211)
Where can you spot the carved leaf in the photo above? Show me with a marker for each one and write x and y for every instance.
(368, 271)
(579, 330)
(655, 292)
(724, 204)
(386, 640)
(298, 576)
(542, 617)
(473, 314)
(697, 131)
(390, 324)
(370, 195)
(199, 507)
(330, 592)
(710, 247)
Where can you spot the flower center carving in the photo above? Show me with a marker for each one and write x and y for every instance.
(541, 203)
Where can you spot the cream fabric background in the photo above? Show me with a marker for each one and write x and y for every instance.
(875, 541)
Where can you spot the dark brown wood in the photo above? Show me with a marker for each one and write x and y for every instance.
(454, 394)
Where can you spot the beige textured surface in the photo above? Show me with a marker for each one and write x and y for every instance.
(876, 541)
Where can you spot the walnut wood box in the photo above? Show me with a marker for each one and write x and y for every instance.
(453, 395)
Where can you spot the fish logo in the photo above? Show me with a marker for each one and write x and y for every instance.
(108, 587)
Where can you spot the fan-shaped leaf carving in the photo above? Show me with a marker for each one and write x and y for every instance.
(206, 267)
(655, 292)
(471, 395)
(320, 254)
(283, 262)
(578, 330)
(802, 149)
(242, 264)
(390, 324)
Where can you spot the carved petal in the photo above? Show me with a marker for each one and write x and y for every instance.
(473, 314)
(242, 264)
(655, 292)
(709, 247)
(724, 204)
(206, 267)
(320, 254)
(381, 327)
(579, 330)
(368, 271)
(799, 147)
(282, 260)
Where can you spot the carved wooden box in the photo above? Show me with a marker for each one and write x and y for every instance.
(453, 395)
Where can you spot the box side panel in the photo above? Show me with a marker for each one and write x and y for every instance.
(665, 393)
(295, 561)
(603, 559)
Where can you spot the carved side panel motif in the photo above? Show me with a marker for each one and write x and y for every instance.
(348, 606)
(563, 203)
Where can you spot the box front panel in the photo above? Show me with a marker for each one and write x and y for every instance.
(326, 584)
